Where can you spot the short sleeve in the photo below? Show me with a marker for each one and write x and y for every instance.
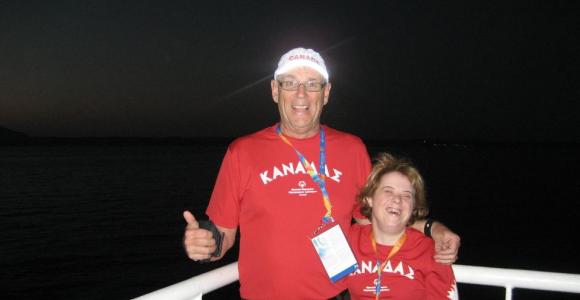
(224, 204)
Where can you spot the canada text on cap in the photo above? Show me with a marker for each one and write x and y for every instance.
(300, 57)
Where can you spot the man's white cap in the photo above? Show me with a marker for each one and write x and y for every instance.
(300, 57)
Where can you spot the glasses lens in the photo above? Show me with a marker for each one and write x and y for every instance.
(291, 85)
(313, 86)
(310, 86)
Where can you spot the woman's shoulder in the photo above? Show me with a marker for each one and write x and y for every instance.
(357, 229)
(418, 240)
(358, 234)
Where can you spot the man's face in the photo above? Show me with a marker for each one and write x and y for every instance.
(300, 110)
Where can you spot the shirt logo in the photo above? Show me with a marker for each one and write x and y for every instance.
(293, 168)
(372, 289)
(370, 267)
(302, 190)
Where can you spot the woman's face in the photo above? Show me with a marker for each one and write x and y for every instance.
(392, 202)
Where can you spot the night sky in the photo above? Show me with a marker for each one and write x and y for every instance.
(486, 71)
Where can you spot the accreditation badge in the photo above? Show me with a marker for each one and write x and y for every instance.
(334, 252)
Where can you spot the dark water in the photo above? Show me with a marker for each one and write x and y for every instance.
(104, 222)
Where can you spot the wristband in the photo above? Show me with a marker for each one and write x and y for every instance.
(428, 225)
(217, 236)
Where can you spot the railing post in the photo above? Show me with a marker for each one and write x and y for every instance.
(508, 292)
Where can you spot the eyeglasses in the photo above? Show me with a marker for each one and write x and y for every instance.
(309, 86)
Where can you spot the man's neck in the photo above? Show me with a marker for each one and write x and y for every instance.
(299, 133)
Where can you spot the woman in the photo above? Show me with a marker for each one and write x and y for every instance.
(395, 261)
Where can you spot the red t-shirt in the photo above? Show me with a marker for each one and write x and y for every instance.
(263, 188)
(411, 274)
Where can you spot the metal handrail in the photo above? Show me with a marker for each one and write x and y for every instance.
(197, 286)
(514, 278)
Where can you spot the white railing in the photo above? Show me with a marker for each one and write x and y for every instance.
(513, 278)
(194, 288)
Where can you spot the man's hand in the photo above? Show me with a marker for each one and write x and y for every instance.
(446, 244)
(198, 243)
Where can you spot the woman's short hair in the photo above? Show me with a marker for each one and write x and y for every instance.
(386, 163)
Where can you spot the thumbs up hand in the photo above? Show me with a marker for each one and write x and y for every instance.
(198, 243)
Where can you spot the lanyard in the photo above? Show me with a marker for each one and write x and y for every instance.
(380, 266)
(319, 177)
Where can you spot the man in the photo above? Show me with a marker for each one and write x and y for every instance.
(281, 184)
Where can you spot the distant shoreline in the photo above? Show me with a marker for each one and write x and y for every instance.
(224, 141)
(113, 141)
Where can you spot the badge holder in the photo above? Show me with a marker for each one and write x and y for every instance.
(334, 252)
